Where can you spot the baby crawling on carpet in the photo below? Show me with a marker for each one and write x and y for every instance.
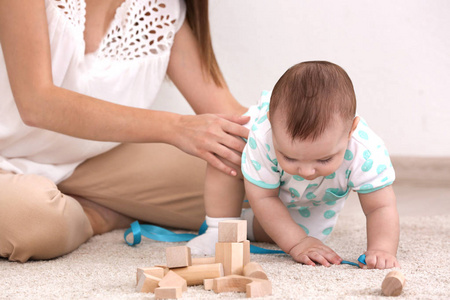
(307, 149)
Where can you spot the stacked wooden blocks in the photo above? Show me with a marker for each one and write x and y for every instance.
(229, 271)
(233, 252)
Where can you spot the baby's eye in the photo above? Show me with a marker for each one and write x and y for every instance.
(288, 158)
(325, 161)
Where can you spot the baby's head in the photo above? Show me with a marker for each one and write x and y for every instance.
(312, 112)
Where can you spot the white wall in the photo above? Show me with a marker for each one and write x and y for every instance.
(396, 52)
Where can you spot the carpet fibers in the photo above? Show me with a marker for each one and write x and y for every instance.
(105, 268)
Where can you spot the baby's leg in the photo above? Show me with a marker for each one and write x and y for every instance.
(223, 194)
(223, 201)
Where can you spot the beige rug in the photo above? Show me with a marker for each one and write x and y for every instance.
(105, 267)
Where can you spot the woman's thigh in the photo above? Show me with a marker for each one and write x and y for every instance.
(154, 183)
(37, 221)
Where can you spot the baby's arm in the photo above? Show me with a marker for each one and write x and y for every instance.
(276, 221)
(383, 228)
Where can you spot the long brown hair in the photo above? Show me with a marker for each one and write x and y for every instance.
(197, 15)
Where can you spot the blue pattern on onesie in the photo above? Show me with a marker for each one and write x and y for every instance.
(315, 205)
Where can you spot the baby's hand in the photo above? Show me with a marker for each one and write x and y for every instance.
(310, 250)
(376, 259)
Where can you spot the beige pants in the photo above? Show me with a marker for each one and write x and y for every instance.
(153, 183)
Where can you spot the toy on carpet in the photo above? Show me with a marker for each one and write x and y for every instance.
(229, 271)
(393, 283)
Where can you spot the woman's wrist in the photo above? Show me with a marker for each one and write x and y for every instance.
(170, 128)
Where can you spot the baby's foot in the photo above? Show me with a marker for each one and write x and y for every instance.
(205, 244)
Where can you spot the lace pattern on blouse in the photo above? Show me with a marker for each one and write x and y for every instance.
(74, 11)
(140, 27)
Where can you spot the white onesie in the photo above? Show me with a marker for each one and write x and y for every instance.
(314, 205)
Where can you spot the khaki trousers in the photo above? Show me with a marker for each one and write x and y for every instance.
(152, 183)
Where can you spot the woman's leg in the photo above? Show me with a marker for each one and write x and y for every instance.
(153, 183)
(37, 221)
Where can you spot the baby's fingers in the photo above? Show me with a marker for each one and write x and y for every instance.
(319, 258)
(392, 263)
(381, 263)
(304, 259)
(333, 257)
(371, 262)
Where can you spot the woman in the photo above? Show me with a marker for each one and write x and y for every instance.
(81, 152)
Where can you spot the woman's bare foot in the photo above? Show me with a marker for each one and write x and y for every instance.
(103, 219)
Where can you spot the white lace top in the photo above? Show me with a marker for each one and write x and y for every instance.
(128, 68)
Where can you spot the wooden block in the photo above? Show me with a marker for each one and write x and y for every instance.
(393, 283)
(203, 260)
(231, 255)
(168, 292)
(178, 257)
(233, 231)
(254, 270)
(258, 288)
(253, 287)
(154, 271)
(231, 283)
(246, 258)
(195, 275)
(172, 279)
(208, 284)
(147, 283)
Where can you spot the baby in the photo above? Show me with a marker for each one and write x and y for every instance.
(306, 150)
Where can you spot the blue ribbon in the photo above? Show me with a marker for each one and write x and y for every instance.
(164, 235)
(349, 263)
(155, 233)
(361, 259)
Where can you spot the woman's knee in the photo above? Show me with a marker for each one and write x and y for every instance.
(34, 218)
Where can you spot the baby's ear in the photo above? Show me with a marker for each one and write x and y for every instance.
(268, 116)
(354, 125)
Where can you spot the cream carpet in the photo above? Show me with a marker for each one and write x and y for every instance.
(105, 268)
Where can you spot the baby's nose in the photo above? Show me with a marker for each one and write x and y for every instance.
(306, 172)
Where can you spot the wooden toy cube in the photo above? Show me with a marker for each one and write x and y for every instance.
(178, 257)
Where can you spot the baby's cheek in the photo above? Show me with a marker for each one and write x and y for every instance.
(330, 168)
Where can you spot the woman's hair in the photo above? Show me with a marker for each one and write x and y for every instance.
(310, 96)
(197, 16)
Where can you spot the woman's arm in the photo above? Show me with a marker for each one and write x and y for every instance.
(219, 132)
(25, 44)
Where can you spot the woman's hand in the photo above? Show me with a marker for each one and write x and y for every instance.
(215, 138)
(310, 250)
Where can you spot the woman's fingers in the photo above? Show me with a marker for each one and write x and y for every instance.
(218, 164)
(234, 126)
(227, 154)
(233, 143)
(216, 139)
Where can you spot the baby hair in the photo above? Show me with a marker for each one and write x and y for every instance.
(312, 96)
